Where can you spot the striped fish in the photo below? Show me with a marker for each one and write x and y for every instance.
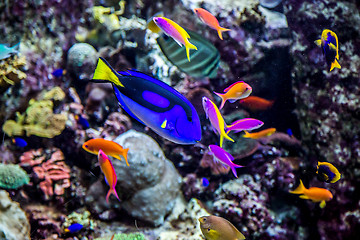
(204, 61)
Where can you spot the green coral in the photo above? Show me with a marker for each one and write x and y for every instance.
(38, 119)
(12, 176)
(82, 217)
(123, 236)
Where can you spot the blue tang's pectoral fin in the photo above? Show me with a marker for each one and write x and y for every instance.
(123, 105)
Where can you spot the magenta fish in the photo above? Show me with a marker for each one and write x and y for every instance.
(224, 157)
(245, 124)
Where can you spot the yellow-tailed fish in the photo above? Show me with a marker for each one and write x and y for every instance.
(256, 135)
(174, 30)
(330, 48)
(327, 172)
(218, 228)
(315, 194)
(216, 120)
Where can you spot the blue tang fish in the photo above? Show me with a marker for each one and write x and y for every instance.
(153, 103)
(75, 227)
(19, 142)
(6, 51)
(82, 121)
(205, 182)
(58, 72)
(330, 48)
(327, 172)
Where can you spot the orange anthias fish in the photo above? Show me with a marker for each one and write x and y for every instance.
(254, 103)
(314, 193)
(256, 135)
(109, 147)
(109, 172)
(234, 92)
(210, 20)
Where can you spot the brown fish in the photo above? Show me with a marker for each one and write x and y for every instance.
(218, 228)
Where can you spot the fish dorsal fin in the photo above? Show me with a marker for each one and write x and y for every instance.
(318, 42)
(178, 28)
(229, 87)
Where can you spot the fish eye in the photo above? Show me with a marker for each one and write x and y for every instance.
(86, 146)
(208, 229)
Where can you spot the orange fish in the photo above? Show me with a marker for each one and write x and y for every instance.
(109, 172)
(315, 194)
(261, 134)
(210, 20)
(109, 147)
(254, 103)
(234, 92)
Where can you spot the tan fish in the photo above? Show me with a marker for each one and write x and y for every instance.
(218, 228)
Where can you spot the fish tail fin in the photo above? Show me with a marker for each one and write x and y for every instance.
(300, 189)
(224, 135)
(221, 30)
(112, 191)
(16, 46)
(189, 46)
(318, 42)
(124, 154)
(233, 169)
(105, 72)
(223, 100)
(246, 135)
(335, 64)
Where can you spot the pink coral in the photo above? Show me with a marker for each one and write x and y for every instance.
(49, 167)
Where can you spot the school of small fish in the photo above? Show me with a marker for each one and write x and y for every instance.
(168, 113)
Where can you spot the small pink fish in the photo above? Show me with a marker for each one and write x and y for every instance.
(246, 124)
(224, 157)
(109, 172)
(235, 91)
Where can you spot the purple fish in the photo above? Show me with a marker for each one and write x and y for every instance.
(246, 124)
(224, 157)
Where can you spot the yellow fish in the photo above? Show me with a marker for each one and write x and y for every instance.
(330, 47)
(256, 135)
(218, 228)
(315, 194)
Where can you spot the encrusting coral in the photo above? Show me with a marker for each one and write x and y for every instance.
(39, 118)
(49, 167)
(10, 71)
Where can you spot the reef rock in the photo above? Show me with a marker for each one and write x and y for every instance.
(13, 222)
(151, 184)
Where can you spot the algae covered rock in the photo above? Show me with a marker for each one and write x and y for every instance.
(151, 184)
(13, 222)
(12, 176)
(82, 58)
(124, 236)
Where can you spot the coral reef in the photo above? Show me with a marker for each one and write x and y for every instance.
(39, 118)
(45, 221)
(49, 169)
(327, 105)
(13, 222)
(11, 71)
(12, 176)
